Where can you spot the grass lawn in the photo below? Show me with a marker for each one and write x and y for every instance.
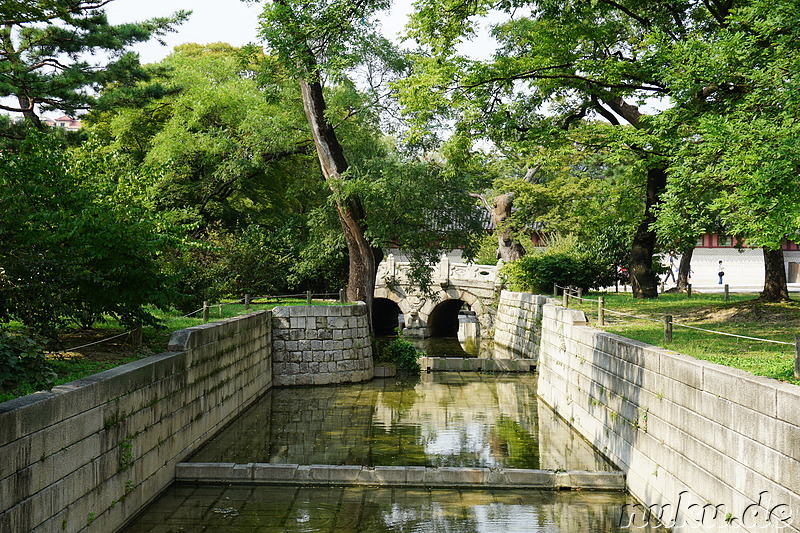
(71, 359)
(741, 315)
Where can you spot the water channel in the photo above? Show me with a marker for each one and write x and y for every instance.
(436, 420)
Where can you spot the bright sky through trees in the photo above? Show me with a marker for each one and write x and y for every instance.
(235, 22)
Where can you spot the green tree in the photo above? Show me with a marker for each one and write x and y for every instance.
(559, 64)
(228, 138)
(54, 53)
(230, 144)
(380, 199)
(315, 41)
(736, 99)
(75, 247)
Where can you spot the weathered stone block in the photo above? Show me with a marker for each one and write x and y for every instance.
(740, 387)
(273, 472)
(390, 475)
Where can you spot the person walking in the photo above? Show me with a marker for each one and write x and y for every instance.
(671, 270)
(720, 272)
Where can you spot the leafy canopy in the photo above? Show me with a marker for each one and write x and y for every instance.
(56, 55)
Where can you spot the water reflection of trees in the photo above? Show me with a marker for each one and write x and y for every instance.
(438, 420)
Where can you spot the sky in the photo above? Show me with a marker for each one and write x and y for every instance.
(236, 22)
(231, 21)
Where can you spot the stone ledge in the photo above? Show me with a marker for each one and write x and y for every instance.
(476, 364)
(398, 476)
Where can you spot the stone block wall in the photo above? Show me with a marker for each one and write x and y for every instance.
(320, 345)
(707, 447)
(518, 322)
(88, 455)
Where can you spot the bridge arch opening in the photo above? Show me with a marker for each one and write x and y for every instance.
(443, 320)
(385, 316)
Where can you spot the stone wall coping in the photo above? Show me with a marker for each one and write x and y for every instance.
(34, 412)
(562, 314)
(187, 338)
(720, 380)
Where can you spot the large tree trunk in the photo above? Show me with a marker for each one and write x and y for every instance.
(362, 256)
(685, 269)
(644, 281)
(775, 289)
(507, 248)
(29, 113)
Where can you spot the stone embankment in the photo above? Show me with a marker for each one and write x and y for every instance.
(90, 454)
(321, 345)
(706, 447)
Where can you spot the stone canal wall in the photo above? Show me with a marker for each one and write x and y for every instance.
(518, 322)
(710, 441)
(88, 455)
(321, 345)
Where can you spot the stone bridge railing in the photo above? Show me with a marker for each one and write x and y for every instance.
(476, 285)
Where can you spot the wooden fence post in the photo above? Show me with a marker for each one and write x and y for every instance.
(667, 328)
(797, 357)
(601, 311)
(580, 295)
(246, 302)
(555, 290)
(727, 293)
(689, 290)
(205, 311)
(136, 335)
(342, 296)
(308, 297)
(566, 297)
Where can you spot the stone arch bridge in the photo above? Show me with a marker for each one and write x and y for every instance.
(463, 293)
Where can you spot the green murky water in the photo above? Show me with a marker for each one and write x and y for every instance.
(269, 509)
(443, 419)
(453, 347)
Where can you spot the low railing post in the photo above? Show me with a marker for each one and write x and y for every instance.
(136, 335)
(308, 297)
(342, 296)
(205, 311)
(601, 311)
(667, 328)
(689, 290)
(246, 302)
(555, 290)
(566, 297)
(727, 292)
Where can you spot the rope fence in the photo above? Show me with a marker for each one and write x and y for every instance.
(573, 293)
(136, 332)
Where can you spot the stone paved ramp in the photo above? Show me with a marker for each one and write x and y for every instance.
(400, 476)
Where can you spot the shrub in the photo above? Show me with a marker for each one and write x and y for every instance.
(401, 353)
(538, 272)
(22, 360)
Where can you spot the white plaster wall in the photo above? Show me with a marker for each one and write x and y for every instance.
(743, 269)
